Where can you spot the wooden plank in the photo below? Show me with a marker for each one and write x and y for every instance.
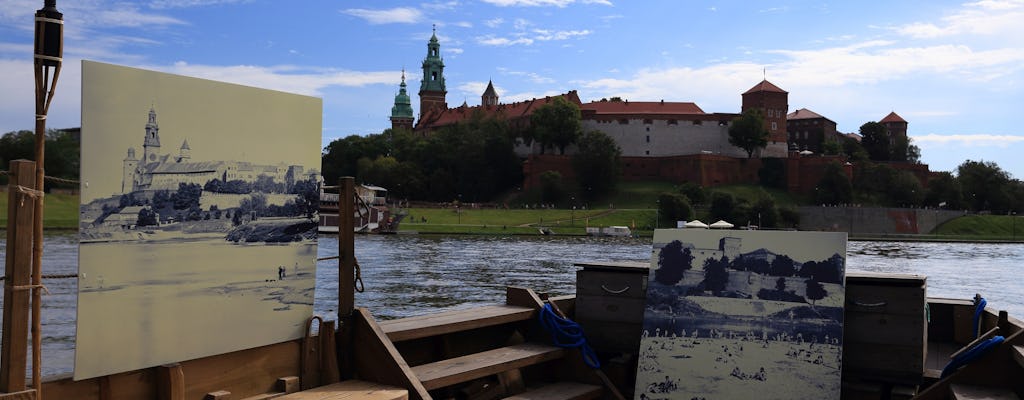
(871, 328)
(622, 266)
(888, 363)
(612, 336)
(244, 373)
(287, 384)
(375, 358)
(885, 299)
(970, 392)
(18, 270)
(1018, 354)
(218, 395)
(170, 382)
(453, 321)
(628, 310)
(346, 247)
(560, 391)
(329, 372)
(522, 297)
(29, 394)
(350, 390)
(885, 278)
(611, 284)
(461, 369)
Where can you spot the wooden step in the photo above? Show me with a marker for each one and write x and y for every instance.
(969, 392)
(1018, 354)
(560, 391)
(453, 321)
(350, 390)
(462, 369)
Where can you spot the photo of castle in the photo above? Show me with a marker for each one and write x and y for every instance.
(207, 248)
(743, 314)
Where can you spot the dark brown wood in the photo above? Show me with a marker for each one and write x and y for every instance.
(346, 247)
(375, 358)
(287, 384)
(1018, 355)
(18, 269)
(611, 309)
(522, 297)
(462, 369)
(561, 391)
(218, 395)
(29, 394)
(310, 359)
(350, 390)
(970, 392)
(454, 321)
(170, 382)
(329, 372)
(613, 284)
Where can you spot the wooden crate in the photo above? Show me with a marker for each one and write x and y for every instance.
(885, 335)
(610, 301)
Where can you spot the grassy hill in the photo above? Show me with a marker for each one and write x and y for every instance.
(60, 211)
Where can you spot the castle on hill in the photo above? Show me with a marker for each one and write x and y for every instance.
(672, 140)
(164, 171)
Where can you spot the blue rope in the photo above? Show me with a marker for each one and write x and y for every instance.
(980, 309)
(565, 333)
(969, 356)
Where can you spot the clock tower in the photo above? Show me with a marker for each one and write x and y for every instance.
(432, 89)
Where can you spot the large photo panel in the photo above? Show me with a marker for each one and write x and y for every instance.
(737, 314)
(197, 221)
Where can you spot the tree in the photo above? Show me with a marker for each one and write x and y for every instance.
(748, 132)
(782, 266)
(597, 164)
(815, 290)
(722, 206)
(764, 211)
(187, 196)
(307, 197)
(772, 173)
(674, 207)
(944, 192)
(147, 217)
(831, 147)
(556, 123)
(716, 277)
(694, 192)
(552, 190)
(853, 149)
(673, 260)
(834, 186)
(906, 190)
(984, 185)
(780, 284)
(875, 139)
(339, 158)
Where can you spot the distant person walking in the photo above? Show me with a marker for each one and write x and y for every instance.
(280, 272)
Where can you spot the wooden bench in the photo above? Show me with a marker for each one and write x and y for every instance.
(970, 392)
(350, 390)
(453, 321)
(560, 391)
(462, 369)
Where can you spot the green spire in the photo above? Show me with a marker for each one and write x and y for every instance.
(433, 67)
(403, 104)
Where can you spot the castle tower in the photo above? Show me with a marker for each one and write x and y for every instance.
(490, 96)
(896, 125)
(774, 105)
(128, 173)
(185, 152)
(401, 112)
(432, 90)
(151, 147)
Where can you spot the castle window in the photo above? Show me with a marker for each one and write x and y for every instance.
(673, 122)
(433, 76)
(623, 121)
(648, 138)
(647, 152)
(648, 129)
(698, 122)
(648, 122)
(775, 126)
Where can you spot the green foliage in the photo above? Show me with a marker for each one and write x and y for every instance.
(765, 212)
(773, 173)
(906, 190)
(831, 147)
(551, 187)
(944, 192)
(722, 207)
(341, 156)
(748, 132)
(853, 149)
(986, 187)
(875, 139)
(834, 187)
(556, 124)
(61, 158)
(674, 207)
(597, 165)
(694, 192)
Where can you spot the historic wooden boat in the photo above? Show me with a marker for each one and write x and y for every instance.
(896, 345)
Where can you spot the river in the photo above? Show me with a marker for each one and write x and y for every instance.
(407, 275)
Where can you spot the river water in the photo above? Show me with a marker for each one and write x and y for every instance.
(407, 275)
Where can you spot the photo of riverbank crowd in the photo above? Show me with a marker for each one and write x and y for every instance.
(743, 314)
(198, 217)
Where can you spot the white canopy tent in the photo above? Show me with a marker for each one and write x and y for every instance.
(721, 225)
(696, 224)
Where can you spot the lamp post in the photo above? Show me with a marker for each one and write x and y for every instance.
(572, 212)
(657, 213)
(49, 50)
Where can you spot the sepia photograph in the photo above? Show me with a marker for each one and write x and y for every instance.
(198, 218)
(743, 314)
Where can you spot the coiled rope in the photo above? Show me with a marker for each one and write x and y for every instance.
(567, 334)
(978, 310)
(969, 356)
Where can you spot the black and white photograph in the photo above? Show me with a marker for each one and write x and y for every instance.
(198, 218)
(733, 314)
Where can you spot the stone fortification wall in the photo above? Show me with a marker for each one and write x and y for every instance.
(874, 220)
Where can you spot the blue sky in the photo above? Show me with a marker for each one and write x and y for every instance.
(954, 70)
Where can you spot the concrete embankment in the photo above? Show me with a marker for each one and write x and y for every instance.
(874, 220)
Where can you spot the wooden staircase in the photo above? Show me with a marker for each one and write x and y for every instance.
(488, 353)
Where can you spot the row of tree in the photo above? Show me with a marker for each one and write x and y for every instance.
(61, 156)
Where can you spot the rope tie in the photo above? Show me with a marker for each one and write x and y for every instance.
(358, 283)
(29, 193)
(971, 355)
(567, 334)
(30, 287)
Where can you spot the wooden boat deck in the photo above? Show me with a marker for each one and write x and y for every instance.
(348, 390)
(478, 365)
(453, 321)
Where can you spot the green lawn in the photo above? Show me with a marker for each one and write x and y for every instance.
(60, 211)
(520, 221)
(984, 227)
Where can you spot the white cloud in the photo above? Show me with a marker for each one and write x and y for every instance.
(494, 23)
(288, 78)
(464, 24)
(545, 35)
(980, 18)
(159, 4)
(538, 35)
(975, 140)
(544, 3)
(448, 5)
(399, 15)
(455, 50)
(497, 41)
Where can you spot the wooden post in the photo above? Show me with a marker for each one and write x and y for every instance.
(346, 247)
(170, 382)
(18, 269)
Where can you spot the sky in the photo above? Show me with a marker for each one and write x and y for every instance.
(954, 70)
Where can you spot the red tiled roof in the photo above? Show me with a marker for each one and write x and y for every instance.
(641, 108)
(765, 86)
(803, 113)
(439, 118)
(892, 117)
